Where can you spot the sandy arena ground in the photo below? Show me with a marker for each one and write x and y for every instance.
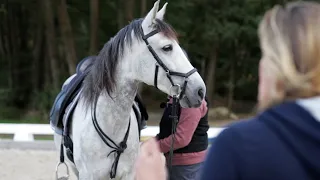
(28, 164)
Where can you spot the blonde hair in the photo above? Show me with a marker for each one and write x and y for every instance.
(290, 43)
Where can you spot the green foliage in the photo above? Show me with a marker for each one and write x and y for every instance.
(230, 27)
(43, 101)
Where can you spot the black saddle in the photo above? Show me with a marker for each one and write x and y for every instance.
(67, 99)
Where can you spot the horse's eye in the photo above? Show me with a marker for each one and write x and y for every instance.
(167, 48)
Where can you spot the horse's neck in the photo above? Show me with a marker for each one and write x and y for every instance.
(113, 112)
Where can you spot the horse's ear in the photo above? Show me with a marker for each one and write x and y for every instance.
(161, 13)
(150, 18)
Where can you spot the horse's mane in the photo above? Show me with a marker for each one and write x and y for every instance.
(103, 70)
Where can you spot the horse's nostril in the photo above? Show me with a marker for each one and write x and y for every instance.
(201, 93)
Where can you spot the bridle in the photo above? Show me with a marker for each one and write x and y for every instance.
(169, 73)
(176, 95)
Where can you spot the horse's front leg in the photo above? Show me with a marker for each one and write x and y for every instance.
(93, 168)
(92, 160)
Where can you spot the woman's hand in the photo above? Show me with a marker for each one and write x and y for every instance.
(151, 163)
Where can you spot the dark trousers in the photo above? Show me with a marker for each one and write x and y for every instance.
(186, 172)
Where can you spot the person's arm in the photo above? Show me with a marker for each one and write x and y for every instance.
(221, 161)
(188, 122)
(150, 163)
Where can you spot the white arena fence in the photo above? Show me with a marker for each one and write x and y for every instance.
(26, 132)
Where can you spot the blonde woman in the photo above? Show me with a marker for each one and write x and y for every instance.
(283, 141)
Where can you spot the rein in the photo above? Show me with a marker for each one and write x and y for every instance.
(118, 150)
(174, 117)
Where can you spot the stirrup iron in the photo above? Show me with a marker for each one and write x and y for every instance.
(65, 177)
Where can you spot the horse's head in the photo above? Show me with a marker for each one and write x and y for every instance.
(164, 64)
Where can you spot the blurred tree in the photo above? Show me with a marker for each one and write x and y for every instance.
(42, 41)
(67, 36)
(51, 43)
(94, 23)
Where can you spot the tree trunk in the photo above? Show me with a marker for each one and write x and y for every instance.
(120, 14)
(47, 73)
(51, 42)
(37, 49)
(2, 51)
(143, 8)
(203, 68)
(231, 85)
(67, 36)
(18, 31)
(6, 53)
(129, 13)
(11, 48)
(210, 74)
(25, 55)
(94, 21)
(13, 52)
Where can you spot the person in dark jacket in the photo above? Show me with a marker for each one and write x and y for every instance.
(190, 140)
(283, 141)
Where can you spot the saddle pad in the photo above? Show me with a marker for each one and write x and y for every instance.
(69, 91)
(64, 98)
(66, 116)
